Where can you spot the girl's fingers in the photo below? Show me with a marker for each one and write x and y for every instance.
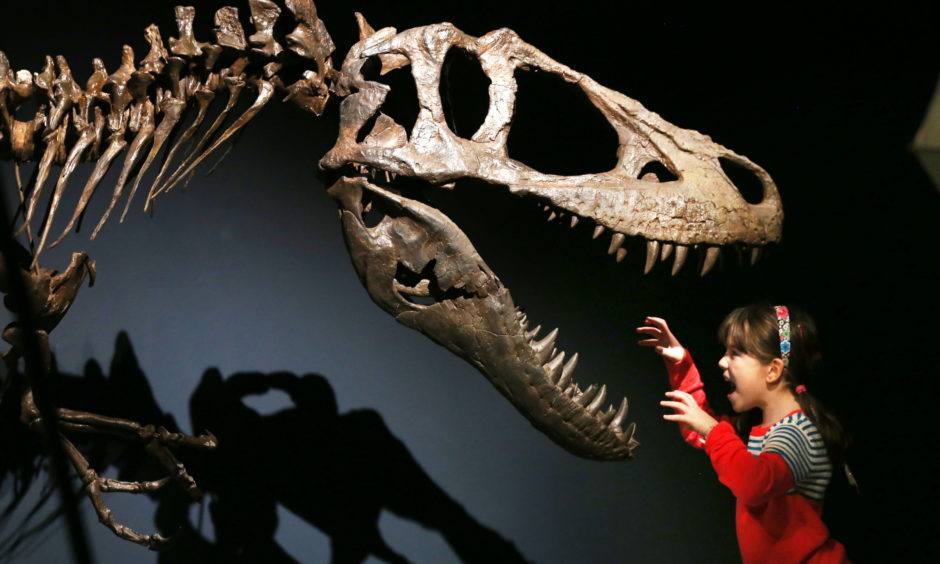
(684, 397)
(650, 334)
(648, 343)
(681, 407)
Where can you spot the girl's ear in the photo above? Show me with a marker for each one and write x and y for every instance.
(774, 370)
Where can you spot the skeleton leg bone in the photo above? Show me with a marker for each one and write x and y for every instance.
(157, 440)
(95, 485)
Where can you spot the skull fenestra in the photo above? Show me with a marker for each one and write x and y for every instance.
(416, 251)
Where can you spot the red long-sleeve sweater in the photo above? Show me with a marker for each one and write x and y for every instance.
(775, 521)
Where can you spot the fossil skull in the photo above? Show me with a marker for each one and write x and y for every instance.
(415, 250)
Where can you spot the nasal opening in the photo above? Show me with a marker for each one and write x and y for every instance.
(747, 182)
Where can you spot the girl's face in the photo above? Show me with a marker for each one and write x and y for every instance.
(748, 378)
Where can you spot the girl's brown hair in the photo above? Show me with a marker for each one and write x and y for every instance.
(753, 330)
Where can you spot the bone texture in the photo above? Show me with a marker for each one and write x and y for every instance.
(123, 111)
(701, 207)
(137, 110)
(473, 316)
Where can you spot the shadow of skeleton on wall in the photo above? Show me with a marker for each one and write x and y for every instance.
(336, 471)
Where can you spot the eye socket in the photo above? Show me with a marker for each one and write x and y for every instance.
(749, 185)
(464, 91)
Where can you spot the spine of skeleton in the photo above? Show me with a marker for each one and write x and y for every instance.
(128, 116)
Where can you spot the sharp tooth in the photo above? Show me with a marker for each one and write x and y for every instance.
(667, 250)
(552, 216)
(628, 434)
(737, 251)
(652, 251)
(711, 256)
(621, 253)
(681, 252)
(531, 334)
(587, 396)
(574, 220)
(621, 413)
(755, 254)
(543, 348)
(388, 178)
(553, 367)
(598, 401)
(597, 231)
(567, 371)
(571, 390)
(606, 417)
(546, 207)
(615, 242)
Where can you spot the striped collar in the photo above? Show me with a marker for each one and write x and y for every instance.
(760, 430)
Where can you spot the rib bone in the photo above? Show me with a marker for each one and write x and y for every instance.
(144, 135)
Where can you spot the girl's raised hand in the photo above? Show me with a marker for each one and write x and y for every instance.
(661, 339)
(688, 413)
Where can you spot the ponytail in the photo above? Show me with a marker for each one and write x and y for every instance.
(802, 375)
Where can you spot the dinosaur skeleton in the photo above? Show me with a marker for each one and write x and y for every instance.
(414, 252)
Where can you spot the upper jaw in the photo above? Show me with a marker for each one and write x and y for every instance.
(467, 310)
(698, 205)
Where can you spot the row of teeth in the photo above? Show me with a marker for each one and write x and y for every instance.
(559, 373)
(371, 172)
(655, 250)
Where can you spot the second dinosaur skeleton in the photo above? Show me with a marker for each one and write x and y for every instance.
(414, 252)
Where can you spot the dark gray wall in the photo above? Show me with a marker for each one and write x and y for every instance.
(247, 270)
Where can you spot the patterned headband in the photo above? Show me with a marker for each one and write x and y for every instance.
(783, 327)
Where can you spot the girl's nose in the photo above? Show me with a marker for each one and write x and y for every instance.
(723, 363)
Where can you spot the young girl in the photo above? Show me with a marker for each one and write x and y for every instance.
(780, 475)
